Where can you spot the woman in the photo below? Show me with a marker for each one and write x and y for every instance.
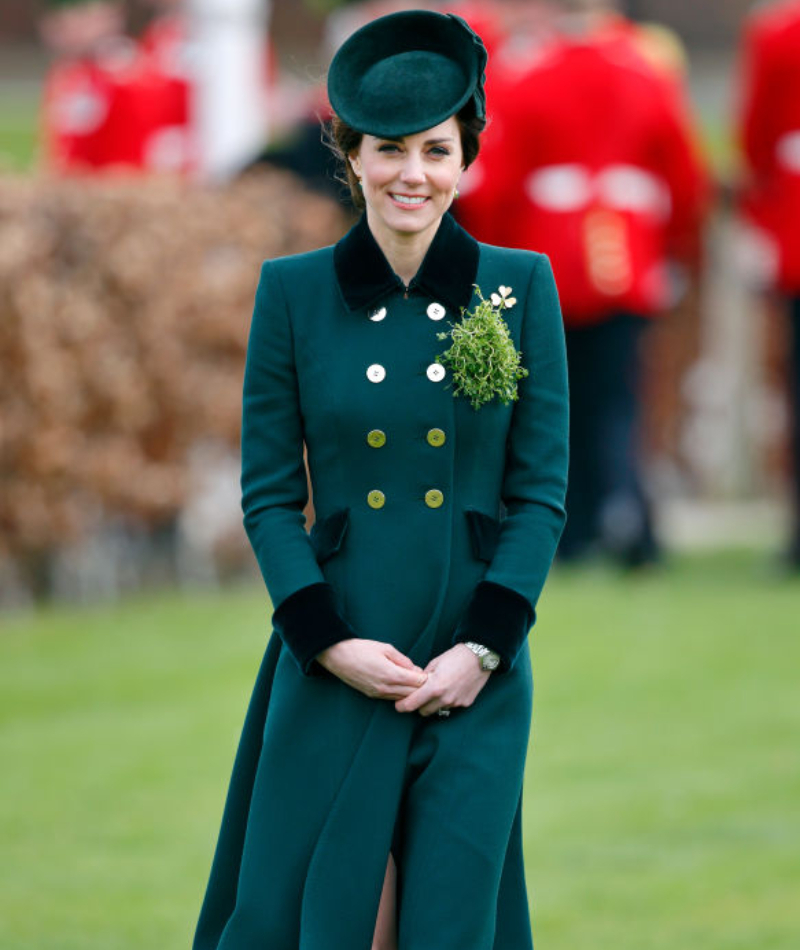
(384, 747)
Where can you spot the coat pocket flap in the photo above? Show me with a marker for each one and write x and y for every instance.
(327, 534)
(484, 533)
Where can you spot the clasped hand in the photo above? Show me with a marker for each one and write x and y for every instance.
(380, 670)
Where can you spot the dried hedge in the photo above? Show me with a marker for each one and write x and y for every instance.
(124, 310)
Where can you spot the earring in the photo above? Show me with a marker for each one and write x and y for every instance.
(455, 193)
(360, 183)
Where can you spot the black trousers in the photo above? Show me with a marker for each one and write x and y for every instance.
(606, 503)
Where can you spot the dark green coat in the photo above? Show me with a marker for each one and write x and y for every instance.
(422, 539)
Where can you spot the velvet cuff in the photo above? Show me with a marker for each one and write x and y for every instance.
(308, 622)
(499, 618)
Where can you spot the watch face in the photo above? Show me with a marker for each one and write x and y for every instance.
(490, 662)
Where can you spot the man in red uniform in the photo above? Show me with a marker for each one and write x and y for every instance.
(97, 103)
(594, 164)
(769, 134)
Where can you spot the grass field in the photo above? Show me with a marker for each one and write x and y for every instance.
(662, 803)
(18, 131)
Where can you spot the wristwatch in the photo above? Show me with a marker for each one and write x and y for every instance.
(489, 659)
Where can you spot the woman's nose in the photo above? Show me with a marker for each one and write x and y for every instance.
(411, 171)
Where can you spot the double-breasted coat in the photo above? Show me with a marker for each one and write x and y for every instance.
(435, 523)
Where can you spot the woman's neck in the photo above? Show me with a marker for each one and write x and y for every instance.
(404, 251)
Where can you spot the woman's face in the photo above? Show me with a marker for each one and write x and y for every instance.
(408, 183)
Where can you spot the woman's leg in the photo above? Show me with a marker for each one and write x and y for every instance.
(385, 937)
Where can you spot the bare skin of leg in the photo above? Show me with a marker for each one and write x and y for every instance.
(385, 937)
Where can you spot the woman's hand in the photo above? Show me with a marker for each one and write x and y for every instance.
(454, 679)
(373, 667)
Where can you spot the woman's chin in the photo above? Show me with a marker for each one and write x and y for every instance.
(410, 222)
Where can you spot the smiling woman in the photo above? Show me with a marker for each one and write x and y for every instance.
(389, 725)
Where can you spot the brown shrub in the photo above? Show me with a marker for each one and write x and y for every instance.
(124, 311)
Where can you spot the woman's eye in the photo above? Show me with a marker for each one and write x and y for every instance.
(387, 148)
(440, 150)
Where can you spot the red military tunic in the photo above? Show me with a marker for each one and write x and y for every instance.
(593, 163)
(97, 112)
(769, 133)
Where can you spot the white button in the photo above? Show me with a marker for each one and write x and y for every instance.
(436, 311)
(435, 372)
(378, 314)
(375, 373)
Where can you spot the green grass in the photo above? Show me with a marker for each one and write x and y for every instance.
(662, 791)
(19, 133)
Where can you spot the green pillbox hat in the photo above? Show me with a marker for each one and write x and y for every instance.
(407, 72)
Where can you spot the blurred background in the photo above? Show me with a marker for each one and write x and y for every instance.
(152, 154)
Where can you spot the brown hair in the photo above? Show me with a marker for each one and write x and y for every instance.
(342, 139)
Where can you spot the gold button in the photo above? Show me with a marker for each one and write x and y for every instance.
(376, 438)
(435, 437)
(433, 498)
(376, 498)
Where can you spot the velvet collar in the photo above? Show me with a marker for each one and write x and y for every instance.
(447, 272)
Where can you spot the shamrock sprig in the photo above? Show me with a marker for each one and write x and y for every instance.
(482, 359)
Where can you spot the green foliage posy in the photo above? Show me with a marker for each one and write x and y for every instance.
(482, 358)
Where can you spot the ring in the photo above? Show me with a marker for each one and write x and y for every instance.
(442, 712)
